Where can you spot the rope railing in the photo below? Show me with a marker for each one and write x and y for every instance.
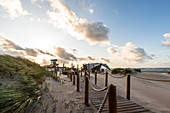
(151, 79)
(104, 100)
(98, 90)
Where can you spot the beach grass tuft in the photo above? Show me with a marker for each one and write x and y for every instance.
(20, 84)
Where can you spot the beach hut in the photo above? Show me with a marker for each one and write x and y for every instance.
(95, 66)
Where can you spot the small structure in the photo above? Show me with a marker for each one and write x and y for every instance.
(54, 64)
(95, 66)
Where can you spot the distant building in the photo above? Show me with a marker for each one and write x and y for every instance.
(95, 66)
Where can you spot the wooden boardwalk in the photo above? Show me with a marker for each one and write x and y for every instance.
(123, 105)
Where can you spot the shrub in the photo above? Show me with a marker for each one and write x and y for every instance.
(116, 71)
(137, 70)
(127, 70)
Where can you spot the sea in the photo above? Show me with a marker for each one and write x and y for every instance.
(159, 70)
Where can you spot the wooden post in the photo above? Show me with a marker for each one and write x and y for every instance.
(74, 78)
(70, 75)
(81, 73)
(89, 74)
(112, 99)
(95, 77)
(84, 74)
(106, 79)
(78, 82)
(128, 87)
(77, 66)
(86, 92)
(56, 73)
(60, 72)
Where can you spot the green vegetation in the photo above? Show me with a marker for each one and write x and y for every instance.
(20, 84)
(127, 70)
(116, 71)
(124, 71)
(137, 70)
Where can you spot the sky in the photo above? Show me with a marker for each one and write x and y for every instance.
(120, 33)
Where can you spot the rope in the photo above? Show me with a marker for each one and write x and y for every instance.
(98, 90)
(104, 101)
(150, 79)
(82, 80)
(117, 76)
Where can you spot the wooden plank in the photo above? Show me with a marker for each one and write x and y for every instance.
(130, 108)
(123, 105)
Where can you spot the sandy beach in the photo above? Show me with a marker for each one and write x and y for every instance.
(62, 97)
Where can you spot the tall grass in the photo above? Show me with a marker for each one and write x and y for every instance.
(20, 84)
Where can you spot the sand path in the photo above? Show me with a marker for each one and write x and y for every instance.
(62, 97)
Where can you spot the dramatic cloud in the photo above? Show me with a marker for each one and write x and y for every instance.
(90, 58)
(45, 62)
(11, 47)
(105, 60)
(130, 53)
(63, 54)
(13, 7)
(46, 53)
(63, 17)
(87, 59)
(167, 42)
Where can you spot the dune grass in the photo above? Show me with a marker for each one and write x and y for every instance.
(121, 71)
(20, 84)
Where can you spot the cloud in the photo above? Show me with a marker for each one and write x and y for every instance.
(46, 53)
(130, 53)
(105, 60)
(116, 12)
(13, 7)
(87, 59)
(63, 17)
(111, 50)
(91, 11)
(167, 42)
(90, 58)
(11, 47)
(45, 62)
(63, 54)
